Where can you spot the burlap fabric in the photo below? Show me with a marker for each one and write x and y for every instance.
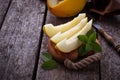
(106, 7)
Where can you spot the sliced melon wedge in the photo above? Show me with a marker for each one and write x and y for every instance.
(84, 30)
(68, 45)
(51, 30)
(67, 34)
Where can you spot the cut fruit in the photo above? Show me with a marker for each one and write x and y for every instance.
(66, 46)
(85, 29)
(59, 56)
(73, 43)
(51, 30)
(65, 8)
(67, 34)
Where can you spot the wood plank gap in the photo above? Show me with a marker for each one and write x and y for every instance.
(5, 14)
(39, 47)
(19, 39)
(99, 71)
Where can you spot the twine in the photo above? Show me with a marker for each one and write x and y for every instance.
(82, 63)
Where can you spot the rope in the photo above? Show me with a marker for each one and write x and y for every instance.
(82, 63)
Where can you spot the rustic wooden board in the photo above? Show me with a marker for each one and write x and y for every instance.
(110, 63)
(4, 4)
(19, 39)
(61, 73)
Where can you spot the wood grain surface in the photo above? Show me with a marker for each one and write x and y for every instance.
(19, 39)
(61, 73)
(110, 62)
(4, 6)
(22, 43)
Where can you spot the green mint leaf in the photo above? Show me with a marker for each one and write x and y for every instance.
(92, 37)
(90, 44)
(89, 47)
(83, 38)
(81, 50)
(96, 47)
(90, 32)
(50, 64)
(46, 56)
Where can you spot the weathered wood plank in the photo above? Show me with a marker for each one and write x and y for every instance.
(19, 39)
(110, 63)
(61, 73)
(4, 4)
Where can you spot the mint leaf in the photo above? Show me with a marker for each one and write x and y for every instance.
(81, 50)
(92, 37)
(90, 44)
(96, 47)
(46, 56)
(83, 38)
(50, 64)
(89, 47)
(90, 32)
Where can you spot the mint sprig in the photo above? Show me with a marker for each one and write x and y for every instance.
(48, 61)
(50, 64)
(89, 43)
(46, 56)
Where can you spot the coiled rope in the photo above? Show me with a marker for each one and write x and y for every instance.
(82, 63)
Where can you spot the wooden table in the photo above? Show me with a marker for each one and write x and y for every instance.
(22, 42)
